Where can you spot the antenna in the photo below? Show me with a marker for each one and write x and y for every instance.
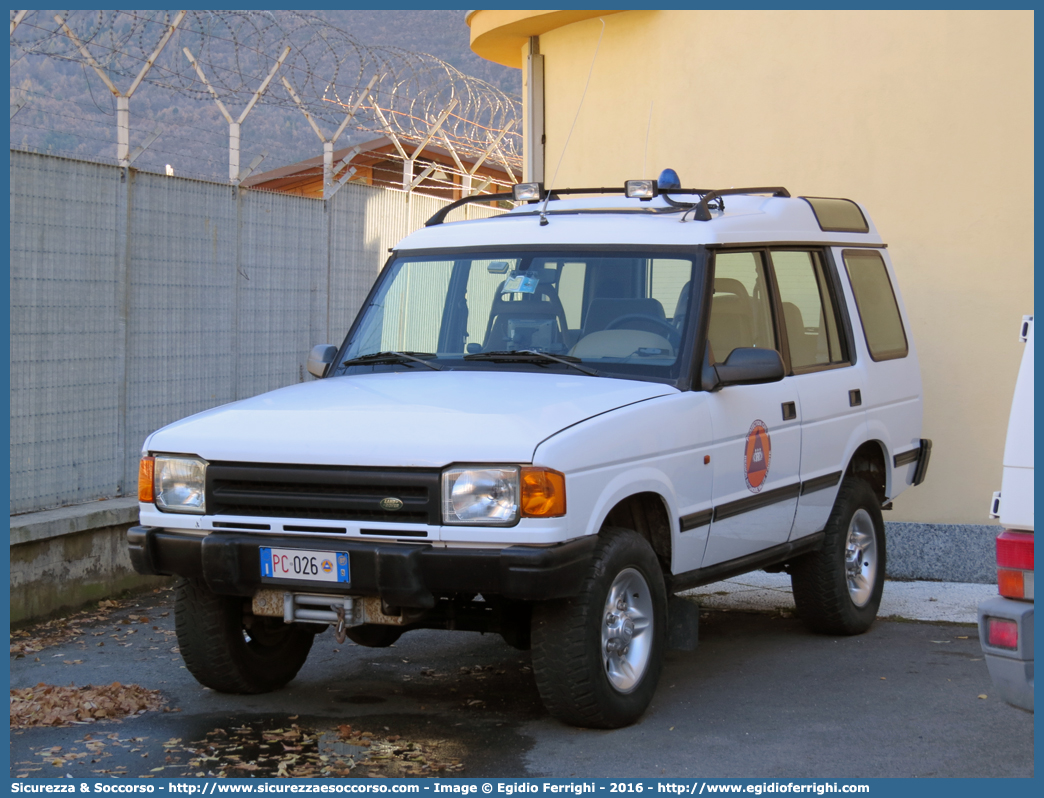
(543, 218)
(645, 157)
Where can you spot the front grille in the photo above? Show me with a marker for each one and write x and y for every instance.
(327, 492)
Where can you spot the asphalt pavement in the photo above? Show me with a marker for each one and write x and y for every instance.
(760, 697)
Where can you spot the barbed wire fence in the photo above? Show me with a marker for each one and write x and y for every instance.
(213, 94)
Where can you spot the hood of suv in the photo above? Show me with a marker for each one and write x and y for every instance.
(407, 419)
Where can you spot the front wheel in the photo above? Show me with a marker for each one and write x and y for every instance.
(231, 651)
(837, 590)
(597, 656)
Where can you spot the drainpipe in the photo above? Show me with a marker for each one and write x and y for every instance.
(533, 113)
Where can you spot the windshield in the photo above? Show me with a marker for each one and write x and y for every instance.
(620, 315)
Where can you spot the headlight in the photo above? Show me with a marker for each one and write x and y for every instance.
(179, 484)
(481, 496)
(499, 495)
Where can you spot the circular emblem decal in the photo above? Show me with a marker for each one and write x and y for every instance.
(327, 566)
(757, 456)
(391, 503)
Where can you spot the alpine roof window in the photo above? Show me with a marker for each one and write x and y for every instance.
(838, 215)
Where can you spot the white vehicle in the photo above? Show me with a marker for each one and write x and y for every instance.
(548, 423)
(1006, 621)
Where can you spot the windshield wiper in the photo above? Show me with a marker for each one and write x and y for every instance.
(377, 358)
(532, 356)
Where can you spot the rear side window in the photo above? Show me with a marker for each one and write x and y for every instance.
(878, 310)
(809, 314)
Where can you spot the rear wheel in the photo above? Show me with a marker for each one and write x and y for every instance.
(837, 590)
(597, 656)
(229, 650)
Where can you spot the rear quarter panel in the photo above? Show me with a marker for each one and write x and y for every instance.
(893, 399)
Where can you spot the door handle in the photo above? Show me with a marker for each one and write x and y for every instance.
(789, 411)
(855, 398)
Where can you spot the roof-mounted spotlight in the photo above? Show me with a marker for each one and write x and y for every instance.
(527, 192)
(640, 189)
(668, 179)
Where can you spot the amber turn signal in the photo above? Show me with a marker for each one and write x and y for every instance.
(146, 469)
(1011, 584)
(543, 493)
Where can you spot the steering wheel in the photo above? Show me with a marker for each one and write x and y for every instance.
(664, 328)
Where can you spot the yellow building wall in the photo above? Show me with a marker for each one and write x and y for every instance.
(925, 117)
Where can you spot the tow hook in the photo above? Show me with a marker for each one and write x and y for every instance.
(340, 632)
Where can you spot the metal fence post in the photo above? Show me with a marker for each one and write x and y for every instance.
(124, 210)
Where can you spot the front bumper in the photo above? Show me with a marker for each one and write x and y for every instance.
(403, 575)
(1011, 671)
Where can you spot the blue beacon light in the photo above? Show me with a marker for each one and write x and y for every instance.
(668, 179)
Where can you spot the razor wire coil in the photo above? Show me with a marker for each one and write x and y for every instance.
(327, 68)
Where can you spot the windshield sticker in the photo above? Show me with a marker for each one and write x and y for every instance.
(520, 284)
(757, 456)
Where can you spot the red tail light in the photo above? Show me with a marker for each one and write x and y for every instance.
(1002, 633)
(1015, 550)
(1015, 564)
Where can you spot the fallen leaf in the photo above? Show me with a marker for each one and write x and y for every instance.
(48, 705)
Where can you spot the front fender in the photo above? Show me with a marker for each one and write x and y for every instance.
(630, 482)
(657, 446)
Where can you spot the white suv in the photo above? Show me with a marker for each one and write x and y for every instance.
(1006, 620)
(546, 424)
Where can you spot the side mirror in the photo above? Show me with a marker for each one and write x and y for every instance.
(320, 358)
(743, 366)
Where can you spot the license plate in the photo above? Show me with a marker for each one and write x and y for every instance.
(313, 566)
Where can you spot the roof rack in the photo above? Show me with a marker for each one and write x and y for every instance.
(702, 208)
(440, 216)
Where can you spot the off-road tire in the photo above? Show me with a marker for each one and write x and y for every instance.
(819, 579)
(569, 659)
(373, 635)
(223, 654)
